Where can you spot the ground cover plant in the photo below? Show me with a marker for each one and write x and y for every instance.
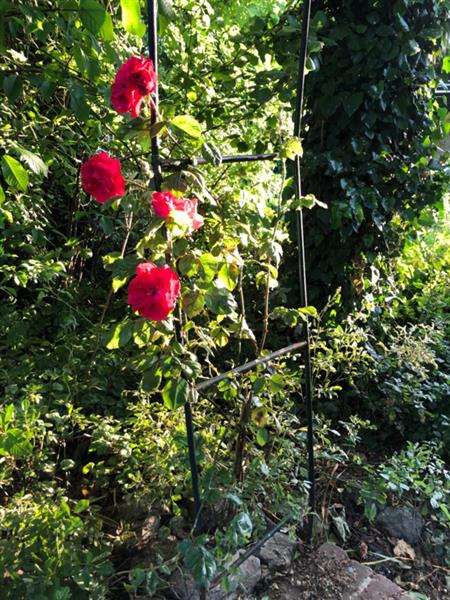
(116, 299)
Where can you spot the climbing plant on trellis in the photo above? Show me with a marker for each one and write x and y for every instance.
(153, 293)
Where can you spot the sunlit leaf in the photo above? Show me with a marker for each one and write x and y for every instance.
(13, 172)
(131, 17)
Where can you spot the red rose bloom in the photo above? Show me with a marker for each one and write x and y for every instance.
(165, 204)
(101, 177)
(126, 100)
(153, 292)
(135, 79)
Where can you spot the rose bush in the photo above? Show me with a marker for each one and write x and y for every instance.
(102, 178)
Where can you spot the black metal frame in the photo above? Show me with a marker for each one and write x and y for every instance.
(304, 346)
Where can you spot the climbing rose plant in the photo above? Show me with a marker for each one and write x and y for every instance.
(153, 291)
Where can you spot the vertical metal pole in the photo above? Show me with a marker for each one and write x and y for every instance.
(302, 264)
(152, 32)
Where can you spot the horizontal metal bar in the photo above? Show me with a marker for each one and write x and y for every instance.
(254, 363)
(253, 549)
(238, 158)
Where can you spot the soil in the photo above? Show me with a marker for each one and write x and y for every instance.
(309, 580)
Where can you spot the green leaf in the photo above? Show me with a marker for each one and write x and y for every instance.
(291, 148)
(220, 301)
(166, 9)
(121, 335)
(137, 576)
(353, 102)
(209, 264)
(107, 29)
(81, 506)
(12, 86)
(151, 379)
(308, 201)
(193, 303)
(157, 128)
(151, 582)
(277, 383)
(175, 393)
(36, 164)
(187, 125)
(188, 264)
(9, 414)
(14, 174)
(78, 101)
(15, 444)
(262, 437)
(200, 562)
(2, 195)
(445, 510)
(309, 311)
(131, 17)
(229, 275)
(96, 20)
(118, 282)
(446, 64)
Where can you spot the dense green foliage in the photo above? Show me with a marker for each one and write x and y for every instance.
(92, 437)
(371, 121)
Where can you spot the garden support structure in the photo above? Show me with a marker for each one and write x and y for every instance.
(304, 346)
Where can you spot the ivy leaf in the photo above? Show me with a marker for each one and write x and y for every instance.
(131, 17)
(188, 125)
(36, 164)
(175, 393)
(200, 562)
(14, 174)
(151, 582)
(353, 102)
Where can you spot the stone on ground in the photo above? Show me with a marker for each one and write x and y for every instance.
(403, 522)
(277, 553)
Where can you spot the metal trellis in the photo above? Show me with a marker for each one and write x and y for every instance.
(160, 165)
